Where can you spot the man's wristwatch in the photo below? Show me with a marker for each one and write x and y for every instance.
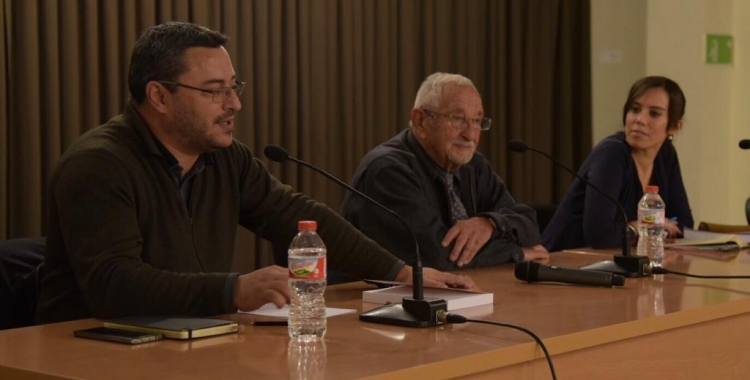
(492, 222)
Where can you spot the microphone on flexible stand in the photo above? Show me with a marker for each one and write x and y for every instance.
(412, 312)
(625, 263)
(745, 144)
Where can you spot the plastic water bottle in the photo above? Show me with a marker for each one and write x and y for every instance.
(307, 280)
(651, 226)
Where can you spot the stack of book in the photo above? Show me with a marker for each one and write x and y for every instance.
(455, 298)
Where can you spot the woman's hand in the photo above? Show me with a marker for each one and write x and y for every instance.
(672, 228)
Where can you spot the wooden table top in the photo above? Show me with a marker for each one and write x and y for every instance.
(566, 317)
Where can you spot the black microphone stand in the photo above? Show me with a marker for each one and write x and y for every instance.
(416, 311)
(625, 263)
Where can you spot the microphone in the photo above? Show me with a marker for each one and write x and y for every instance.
(624, 264)
(412, 312)
(745, 144)
(530, 271)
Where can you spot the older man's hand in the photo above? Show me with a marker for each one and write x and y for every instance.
(468, 237)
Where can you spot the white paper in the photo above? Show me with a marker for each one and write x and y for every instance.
(690, 233)
(270, 310)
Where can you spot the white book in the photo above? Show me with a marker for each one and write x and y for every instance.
(455, 298)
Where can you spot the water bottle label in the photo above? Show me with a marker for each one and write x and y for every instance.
(651, 216)
(308, 268)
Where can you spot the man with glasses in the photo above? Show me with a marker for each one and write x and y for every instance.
(143, 210)
(431, 174)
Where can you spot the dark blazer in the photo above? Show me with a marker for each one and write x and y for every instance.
(400, 175)
(585, 218)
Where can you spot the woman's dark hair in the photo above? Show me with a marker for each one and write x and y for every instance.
(676, 98)
(159, 51)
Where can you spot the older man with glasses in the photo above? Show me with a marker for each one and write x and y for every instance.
(431, 174)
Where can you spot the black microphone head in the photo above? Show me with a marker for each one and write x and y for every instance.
(745, 144)
(517, 145)
(275, 153)
(527, 271)
(618, 280)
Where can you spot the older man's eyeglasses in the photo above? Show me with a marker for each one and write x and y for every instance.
(218, 95)
(460, 122)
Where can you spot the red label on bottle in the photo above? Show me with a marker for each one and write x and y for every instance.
(307, 268)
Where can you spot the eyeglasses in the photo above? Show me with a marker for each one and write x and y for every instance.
(218, 95)
(460, 122)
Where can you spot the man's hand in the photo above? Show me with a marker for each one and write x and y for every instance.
(469, 236)
(536, 253)
(255, 289)
(437, 279)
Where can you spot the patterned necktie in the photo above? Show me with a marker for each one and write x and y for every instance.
(458, 212)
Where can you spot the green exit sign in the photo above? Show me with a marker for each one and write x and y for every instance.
(719, 48)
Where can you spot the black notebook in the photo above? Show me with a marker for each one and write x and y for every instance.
(174, 327)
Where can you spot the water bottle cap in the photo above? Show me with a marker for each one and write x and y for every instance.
(652, 189)
(307, 225)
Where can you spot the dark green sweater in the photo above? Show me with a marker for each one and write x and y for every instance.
(121, 240)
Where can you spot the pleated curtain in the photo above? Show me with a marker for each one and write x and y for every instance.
(326, 79)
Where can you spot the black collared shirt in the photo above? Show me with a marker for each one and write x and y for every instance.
(175, 170)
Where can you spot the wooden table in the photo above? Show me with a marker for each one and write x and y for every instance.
(668, 327)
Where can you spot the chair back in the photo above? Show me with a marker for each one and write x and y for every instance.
(544, 213)
(20, 263)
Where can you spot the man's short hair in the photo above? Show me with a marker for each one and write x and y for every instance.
(431, 90)
(159, 51)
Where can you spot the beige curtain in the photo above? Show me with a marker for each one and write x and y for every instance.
(327, 79)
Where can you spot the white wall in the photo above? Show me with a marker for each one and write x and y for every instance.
(716, 117)
(738, 183)
(618, 54)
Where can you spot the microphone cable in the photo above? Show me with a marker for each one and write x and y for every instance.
(662, 270)
(456, 318)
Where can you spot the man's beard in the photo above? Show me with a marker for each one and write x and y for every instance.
(463, 156)
(192, 131)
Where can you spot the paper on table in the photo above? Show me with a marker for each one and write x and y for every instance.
(698, 234)
(708, 240)
(270, 310)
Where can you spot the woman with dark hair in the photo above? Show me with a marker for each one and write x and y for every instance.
(622, 165)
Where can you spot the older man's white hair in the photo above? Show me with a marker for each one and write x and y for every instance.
(431, 91)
